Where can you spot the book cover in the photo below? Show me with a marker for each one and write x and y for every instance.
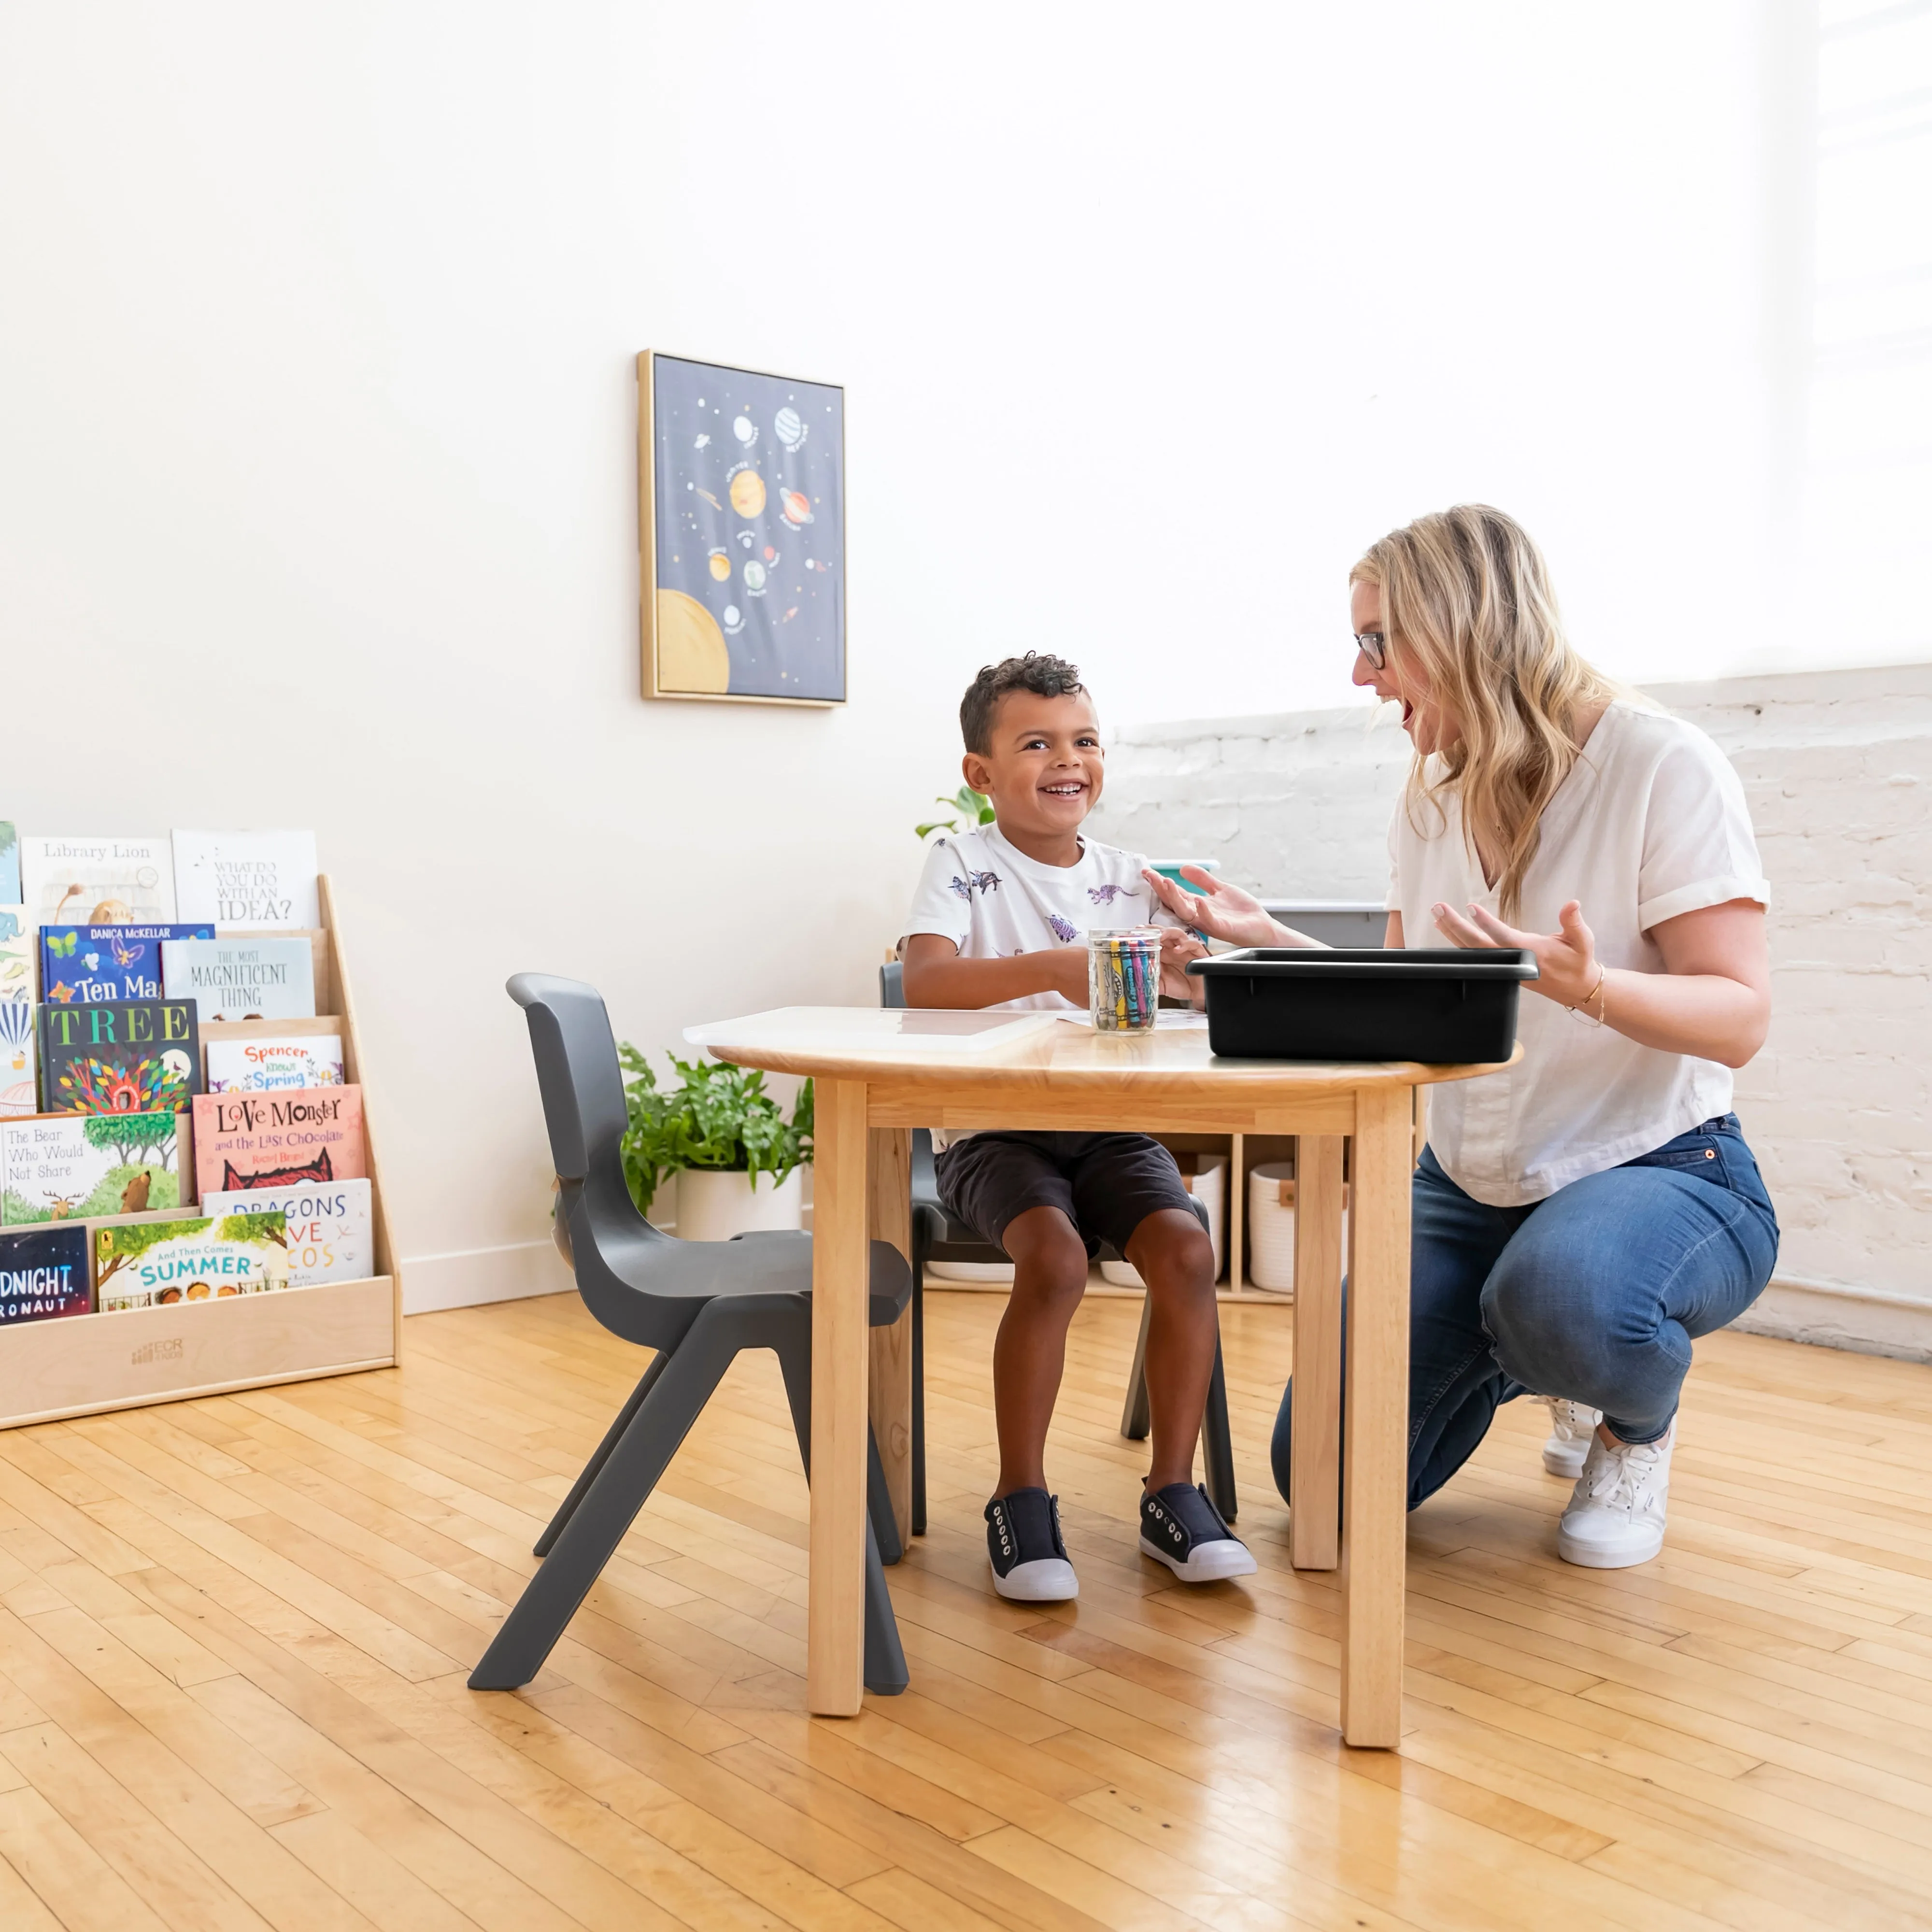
(44, 1273)
(19, 1080)
(248, 878)
(16, 953)
(254, 1066)
(122, 1056)
(69, 1167)
(328, 1232)
(9, 864)
(96, 881)
(277, 1139)
(242, 979)
(82, 965)
(155, 1263)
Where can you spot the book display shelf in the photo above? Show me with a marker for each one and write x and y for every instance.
(85, 1364)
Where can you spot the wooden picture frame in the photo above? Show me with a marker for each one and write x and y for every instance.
(741, 528)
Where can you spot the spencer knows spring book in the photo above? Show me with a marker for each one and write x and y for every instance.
(82, 965)
(155, 1263)
(285, 1138)
(43, 1273)
(242, 979)
(122, 1056)
(68, 1167)
(97, 881)
(252, 1066)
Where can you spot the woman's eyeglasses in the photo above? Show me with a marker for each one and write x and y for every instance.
(1374, 646)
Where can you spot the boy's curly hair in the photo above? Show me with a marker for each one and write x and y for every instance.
(1038, 672)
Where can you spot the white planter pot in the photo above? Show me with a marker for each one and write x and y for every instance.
(714, 1206)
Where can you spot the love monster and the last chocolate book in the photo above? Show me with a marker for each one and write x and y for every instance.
(287, 1137)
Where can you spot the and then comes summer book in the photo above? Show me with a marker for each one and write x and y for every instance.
(155, 1263)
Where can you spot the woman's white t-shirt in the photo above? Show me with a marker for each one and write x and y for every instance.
(1650, 823)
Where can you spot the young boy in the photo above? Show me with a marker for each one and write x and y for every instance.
(1000, 920)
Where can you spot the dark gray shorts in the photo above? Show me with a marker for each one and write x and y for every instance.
(1105, 1184)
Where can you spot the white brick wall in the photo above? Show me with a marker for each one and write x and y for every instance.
(1838, 767)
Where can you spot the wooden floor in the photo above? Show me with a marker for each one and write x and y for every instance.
(234, 1634)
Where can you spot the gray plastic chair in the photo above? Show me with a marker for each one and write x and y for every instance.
(937, 1237)
(698, 1303)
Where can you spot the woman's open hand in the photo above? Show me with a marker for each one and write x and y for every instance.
(1566, 959)
(1221, 911)
(1176, 949)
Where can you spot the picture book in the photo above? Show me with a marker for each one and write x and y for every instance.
(281, 1138)
(67, 1167)
(16, 953)
(122, 1056)
(82, 965)
(248, 878)
(242, 979)
(327, 1235)
(43, 1272)
(96, 881)
(9, 864)
(19, 1084)
(252, 1066)
(155, 1263)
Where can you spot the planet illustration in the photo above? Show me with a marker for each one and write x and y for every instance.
(711, 499)
(720, 565)
(734, 620)
(745, 430)
(755, 577)
(748, 493)
(691, 653)
(770, 553)
(703, 442)
(797, 506)
(788, 429)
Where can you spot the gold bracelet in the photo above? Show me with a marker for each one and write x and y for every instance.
(1582, 1006)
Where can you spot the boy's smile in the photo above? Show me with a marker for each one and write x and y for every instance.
(1043, 770)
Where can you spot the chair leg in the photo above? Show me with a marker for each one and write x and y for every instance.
(1137, 1418)
(918, 1382)
(879, 1504)
(1217, 1445)
(885, 1670)
(609, 1507)
(568, 1508)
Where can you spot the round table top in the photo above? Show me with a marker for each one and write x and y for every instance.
(930, 1046)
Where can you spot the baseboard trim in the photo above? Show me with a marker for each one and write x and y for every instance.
(469, 1277)
(1833, 1315)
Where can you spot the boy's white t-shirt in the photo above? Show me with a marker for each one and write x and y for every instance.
(981, 892)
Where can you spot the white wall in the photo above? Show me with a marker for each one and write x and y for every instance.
(317, 497)
(1837, 770)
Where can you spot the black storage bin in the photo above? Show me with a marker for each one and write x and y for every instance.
(1442, 1004)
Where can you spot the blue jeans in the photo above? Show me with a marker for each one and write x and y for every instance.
(1594, 1295)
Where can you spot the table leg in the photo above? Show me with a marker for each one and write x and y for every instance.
(1315, 1442)
(1375, 1475)
(890, 1161)
(836, 1643)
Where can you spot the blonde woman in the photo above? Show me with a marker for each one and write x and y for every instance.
(1579, 1219)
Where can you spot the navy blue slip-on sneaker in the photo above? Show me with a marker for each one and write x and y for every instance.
(1181, 1527)
(1024, 1542)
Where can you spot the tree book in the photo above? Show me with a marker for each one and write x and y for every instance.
(72, 1167)
(327, 1229)
(84, 965)
(242, 979)
(286, 1138)
(253, 1065)
(207, 1258)
(121, 1057)
(97, 881)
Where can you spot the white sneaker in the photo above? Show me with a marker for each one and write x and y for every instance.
(1615, 1517)
(1571, 1426)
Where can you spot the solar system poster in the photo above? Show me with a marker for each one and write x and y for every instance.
(742, 479)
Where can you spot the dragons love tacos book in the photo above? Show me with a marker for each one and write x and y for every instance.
(120, 1057)
(83, 965)
(288, 1137)
(71, 1167)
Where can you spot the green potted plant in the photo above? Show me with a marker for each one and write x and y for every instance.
(740, 1162)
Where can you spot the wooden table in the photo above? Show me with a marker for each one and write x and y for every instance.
(881, 1073)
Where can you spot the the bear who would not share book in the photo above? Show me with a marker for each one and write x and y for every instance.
(43, 1273)
(83, 965)
(68, 1167)
(288, 1137)
(156, 1264)
(242, 979)
(122, 1056)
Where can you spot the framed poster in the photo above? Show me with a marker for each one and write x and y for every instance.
(741, 488)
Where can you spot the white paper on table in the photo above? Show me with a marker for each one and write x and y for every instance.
(1169, 1019)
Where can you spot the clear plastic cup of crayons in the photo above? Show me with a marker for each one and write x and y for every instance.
(1123, 979)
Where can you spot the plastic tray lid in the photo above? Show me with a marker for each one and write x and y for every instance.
(1365, 962)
